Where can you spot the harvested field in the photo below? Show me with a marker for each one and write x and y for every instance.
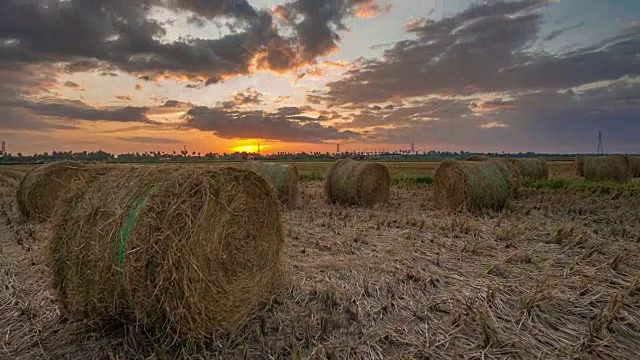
(552, 275)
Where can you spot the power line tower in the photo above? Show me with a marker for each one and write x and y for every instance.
(258, 148)
(413, 148)
(337, 148)
(3, 147)
(600, 150)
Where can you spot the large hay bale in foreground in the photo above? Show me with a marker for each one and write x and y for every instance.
(184, 251)
(579, 165)
(467, 185)
(44, 187)
(357, 183)
(534, 169)
(635, 165)
(608, 168)
(283, 178)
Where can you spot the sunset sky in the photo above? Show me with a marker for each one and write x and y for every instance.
(294, 75)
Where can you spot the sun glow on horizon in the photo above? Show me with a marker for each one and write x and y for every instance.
(249, 146)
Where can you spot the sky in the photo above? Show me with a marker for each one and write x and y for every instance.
(305, 75)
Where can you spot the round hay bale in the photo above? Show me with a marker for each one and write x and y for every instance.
(478, 158)
(187, 251)
(467, 185)
(357, 183)
(44, 187)
(635, 165)
(534, 169)
(579, 165)
(509, 170)
(283, 178)
(511, 174)
(608, 168)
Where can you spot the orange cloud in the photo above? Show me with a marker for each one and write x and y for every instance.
(413, 24)
(371, 9)
(138, 87)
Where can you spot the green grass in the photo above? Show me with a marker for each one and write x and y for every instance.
(601, 187)
(311, 176)
(411, 180)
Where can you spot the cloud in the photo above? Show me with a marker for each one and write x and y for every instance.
(547, 121)
(486, 48)
(138, 87)
(71, 84)
(371, 9)
(124, 97)
(149, 140)
(243, 98)
(259, 124)
(493, 125)
(113, 35)
(77, 110)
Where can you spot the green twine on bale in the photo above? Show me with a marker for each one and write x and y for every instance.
(125, 232)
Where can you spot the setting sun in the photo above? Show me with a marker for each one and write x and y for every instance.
(249, 146)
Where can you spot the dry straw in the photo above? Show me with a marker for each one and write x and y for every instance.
(283, 178)
(579, 165)
(182, 251)
(357, 183)
(46, 186)
(534, 169)
(635, 165)
(608, 168)
(467, 185)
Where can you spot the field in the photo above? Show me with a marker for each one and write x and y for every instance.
(556, 274)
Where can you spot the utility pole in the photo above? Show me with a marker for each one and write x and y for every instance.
(413, 148)
(600, 150)
(258, 148)
(3, 149)
(338, 149)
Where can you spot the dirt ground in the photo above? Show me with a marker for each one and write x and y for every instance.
(554, 275)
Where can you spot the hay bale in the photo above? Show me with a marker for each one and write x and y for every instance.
(635, 165)
(579, 165)
(534, 169)
(478, 158)
(467, 185)
(185, 251)
(357, 183)
(608, 168)
(283, 178)
(44, 187)
(511, 174)
(510, 171)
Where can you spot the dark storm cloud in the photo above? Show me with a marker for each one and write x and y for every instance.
(77, 110)
(118, 34)
(260, 124)
(565, 121)
(28, 80)
(483, 49)
(320, 24)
